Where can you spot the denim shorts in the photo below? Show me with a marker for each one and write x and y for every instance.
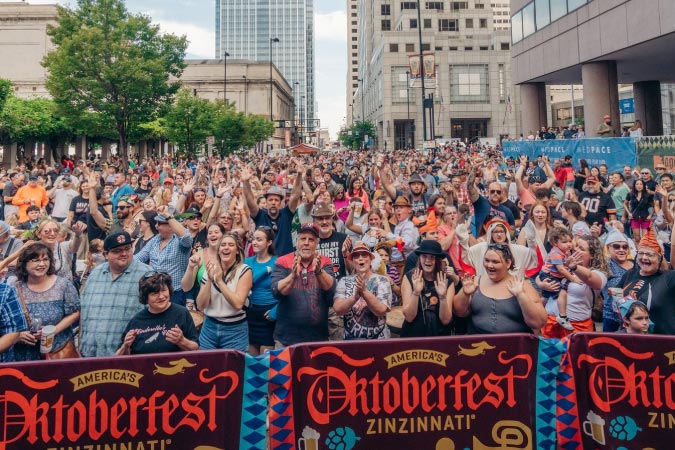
(223, 336)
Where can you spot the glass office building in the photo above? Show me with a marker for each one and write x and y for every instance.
(244, 29)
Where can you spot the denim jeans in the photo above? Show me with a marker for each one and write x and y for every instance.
(219, 335)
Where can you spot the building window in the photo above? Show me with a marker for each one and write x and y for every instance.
(355, 78)
(528, 20)
(479, 6)
(502, 84)
(413, 24)
(564, 113)
(438, 48)
(542, 13)
(426, 47)
(505, 46)
(456, 6)
(427, 23)
(574, 4)
(355, 69)
(353, 14)
(470, 83)
(355, 47)
(558, 9)
(355, 22)
(483, 23)
(517, 27)
(393, 48)
(435, 5)
(468, 49)
(355, 55)
(452, 49)
(355, 38)
(469, 23)
(447, 25)
(399, 86)
(409, 48)
(408, 5)
(386, 25)
(482, 48)
(385, 10)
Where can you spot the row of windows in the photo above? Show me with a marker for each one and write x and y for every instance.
(443, 24)
(410, 48)
(539, 13)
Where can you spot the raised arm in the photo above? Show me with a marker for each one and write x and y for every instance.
(95, 214)
(245, 178)
(471, 185)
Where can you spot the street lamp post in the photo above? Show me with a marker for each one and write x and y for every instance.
(245, 94)
(419, 32)
(272, 41)
(407, 98)
(302, 117)
(363, 107)
(225, 55)
(351, 105)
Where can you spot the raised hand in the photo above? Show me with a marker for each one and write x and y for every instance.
(441, 284)
(469, 285)
(417, 282)
(195, 260)
(215, 271)
(78, 227)
(515, 286)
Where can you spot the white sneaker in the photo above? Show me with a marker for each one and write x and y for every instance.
(565, 323)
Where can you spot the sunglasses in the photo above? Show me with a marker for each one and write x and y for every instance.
(123, 207)
(619, 246)
(153, 273)
(495, 191)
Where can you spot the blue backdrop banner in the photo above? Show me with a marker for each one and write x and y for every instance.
(615, 152)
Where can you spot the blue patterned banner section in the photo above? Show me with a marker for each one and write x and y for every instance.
(548, 368)
(255, 405)
(615, 152)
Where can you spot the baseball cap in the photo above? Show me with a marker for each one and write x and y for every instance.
(116, 240)
(168, 180)
(591, 180)
(309, 227)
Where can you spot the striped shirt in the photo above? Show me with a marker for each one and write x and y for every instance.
(107, 305)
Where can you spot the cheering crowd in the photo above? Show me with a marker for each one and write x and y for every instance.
(253, 253)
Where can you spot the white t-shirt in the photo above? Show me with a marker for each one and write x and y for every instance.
(62, 199)
(579, 300)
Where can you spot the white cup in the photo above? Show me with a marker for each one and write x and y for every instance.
(47, 341)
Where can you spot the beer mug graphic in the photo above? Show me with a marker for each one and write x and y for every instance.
(595, 427)
(309, 440)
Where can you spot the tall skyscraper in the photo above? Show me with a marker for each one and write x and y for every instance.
(352, 57)
(245, 28)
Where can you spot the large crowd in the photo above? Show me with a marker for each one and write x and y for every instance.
(252, 252)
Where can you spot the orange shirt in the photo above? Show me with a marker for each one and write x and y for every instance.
(27, 193)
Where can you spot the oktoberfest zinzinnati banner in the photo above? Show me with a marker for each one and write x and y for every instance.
(509, 392)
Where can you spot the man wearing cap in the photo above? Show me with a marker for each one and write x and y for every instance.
(16, 181)
(110, 297)
(8, 243)
(30, 194)
(363, 299)
(527, 193)
(649, 283)
(277, 218)
(303, 283)
(169, 251)
(416, 197)
(605, 128)
(192, 218)
(660, 172)
(62, 195)
(403, 239)
(598, 205)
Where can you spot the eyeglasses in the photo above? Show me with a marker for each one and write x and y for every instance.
(645, 173)
(495, 191)
(650, 255)
(619, 246)
(40, 260)
(50, 231)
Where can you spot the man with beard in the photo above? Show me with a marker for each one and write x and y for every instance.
(487, 208)
(599, 206)
(605, 129)
(363, 299)
(121, 188)
(124, 220)
(417, 198)
(10, 191)
(403, 239)
(303, 283)
(277, 218)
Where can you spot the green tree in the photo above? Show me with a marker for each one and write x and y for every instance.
(228, 128)
(36, 119)
(353, 136)
(257, 129)
(5, 91)
(189, 122)
(113, 63)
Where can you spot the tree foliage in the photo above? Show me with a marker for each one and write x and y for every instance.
(234, 131)
(113, 64)
(5, 91)
(353, 136)
(190, 122)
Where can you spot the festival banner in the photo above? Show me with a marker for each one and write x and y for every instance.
(177, 401)
(474, 392)
(625, 388)
(615, 152)
(653, 150)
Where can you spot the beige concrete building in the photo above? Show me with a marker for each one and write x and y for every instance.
(473, 94)
(24, 43)
(352, 56)
(501, 13)
(598, 44)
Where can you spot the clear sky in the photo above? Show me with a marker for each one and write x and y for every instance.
(195, 18)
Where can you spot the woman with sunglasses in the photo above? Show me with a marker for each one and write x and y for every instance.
(619, 261)
(261, 314)
(223, 298)
(499, 302)
(161, 327)
(48, 233)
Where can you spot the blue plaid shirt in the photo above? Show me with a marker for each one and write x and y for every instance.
(12, 319)
(172, 259)
(107, 306)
